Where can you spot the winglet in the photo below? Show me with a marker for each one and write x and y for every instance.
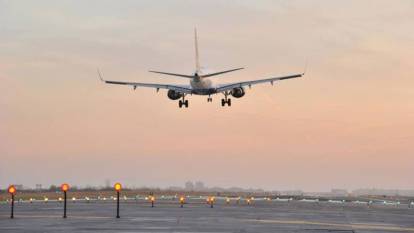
(306, 68)
(100, 75)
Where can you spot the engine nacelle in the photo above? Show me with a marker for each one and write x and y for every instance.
(238, 92)
(174, 95)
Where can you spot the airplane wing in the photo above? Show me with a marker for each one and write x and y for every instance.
(230, 86)
(179, 88)
(182, 89)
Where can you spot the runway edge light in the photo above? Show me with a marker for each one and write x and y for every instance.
(152, 199)
(117, 188)
(182, 200)
(64, 187)
(12, 191)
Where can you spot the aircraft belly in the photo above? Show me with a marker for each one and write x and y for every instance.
(202, 87)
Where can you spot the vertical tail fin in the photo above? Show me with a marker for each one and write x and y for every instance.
(197, 59)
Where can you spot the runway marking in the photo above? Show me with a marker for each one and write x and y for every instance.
(56, 216)
(353, 226)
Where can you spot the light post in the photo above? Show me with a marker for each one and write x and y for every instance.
(12, 191)
(211, 201)
(64, 188)
(152, 199)
(117, 188)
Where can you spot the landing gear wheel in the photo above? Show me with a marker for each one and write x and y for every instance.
(225, 101)
(186, 103)
(180, 104)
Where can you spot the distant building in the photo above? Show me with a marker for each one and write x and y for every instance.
(292, 192)
(189, 186)
(175, 188)
(199, 186)
(383, 192)
(107, 183)
(339, 192)
(39, 187)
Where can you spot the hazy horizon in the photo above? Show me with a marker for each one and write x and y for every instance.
(207, 187)
(347, 124)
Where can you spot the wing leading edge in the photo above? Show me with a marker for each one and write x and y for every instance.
(179, 88)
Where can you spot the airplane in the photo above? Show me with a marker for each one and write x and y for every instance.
(200, 84)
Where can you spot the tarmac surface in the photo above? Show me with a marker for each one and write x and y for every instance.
(197, 216)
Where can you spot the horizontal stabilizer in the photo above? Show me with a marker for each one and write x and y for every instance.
(221, 72)
(179, 75)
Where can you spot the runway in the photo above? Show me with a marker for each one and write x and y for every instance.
(196, 216)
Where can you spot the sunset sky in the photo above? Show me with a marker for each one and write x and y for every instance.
(349, 123)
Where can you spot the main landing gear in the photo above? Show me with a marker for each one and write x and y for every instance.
(183, 102)
(226, 100)
(209, 99)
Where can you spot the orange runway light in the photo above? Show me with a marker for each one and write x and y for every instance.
(211, 201)
(182, 200)
(64, 187)
(11, 189)
(152, 199)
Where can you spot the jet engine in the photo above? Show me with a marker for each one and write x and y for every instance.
(174, 95)
(238, 92)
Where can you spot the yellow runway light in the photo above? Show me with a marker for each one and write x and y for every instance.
(118, 187)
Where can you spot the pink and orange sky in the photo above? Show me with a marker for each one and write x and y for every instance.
(347, 124)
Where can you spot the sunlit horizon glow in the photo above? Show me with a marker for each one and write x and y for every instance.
(347, 124)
